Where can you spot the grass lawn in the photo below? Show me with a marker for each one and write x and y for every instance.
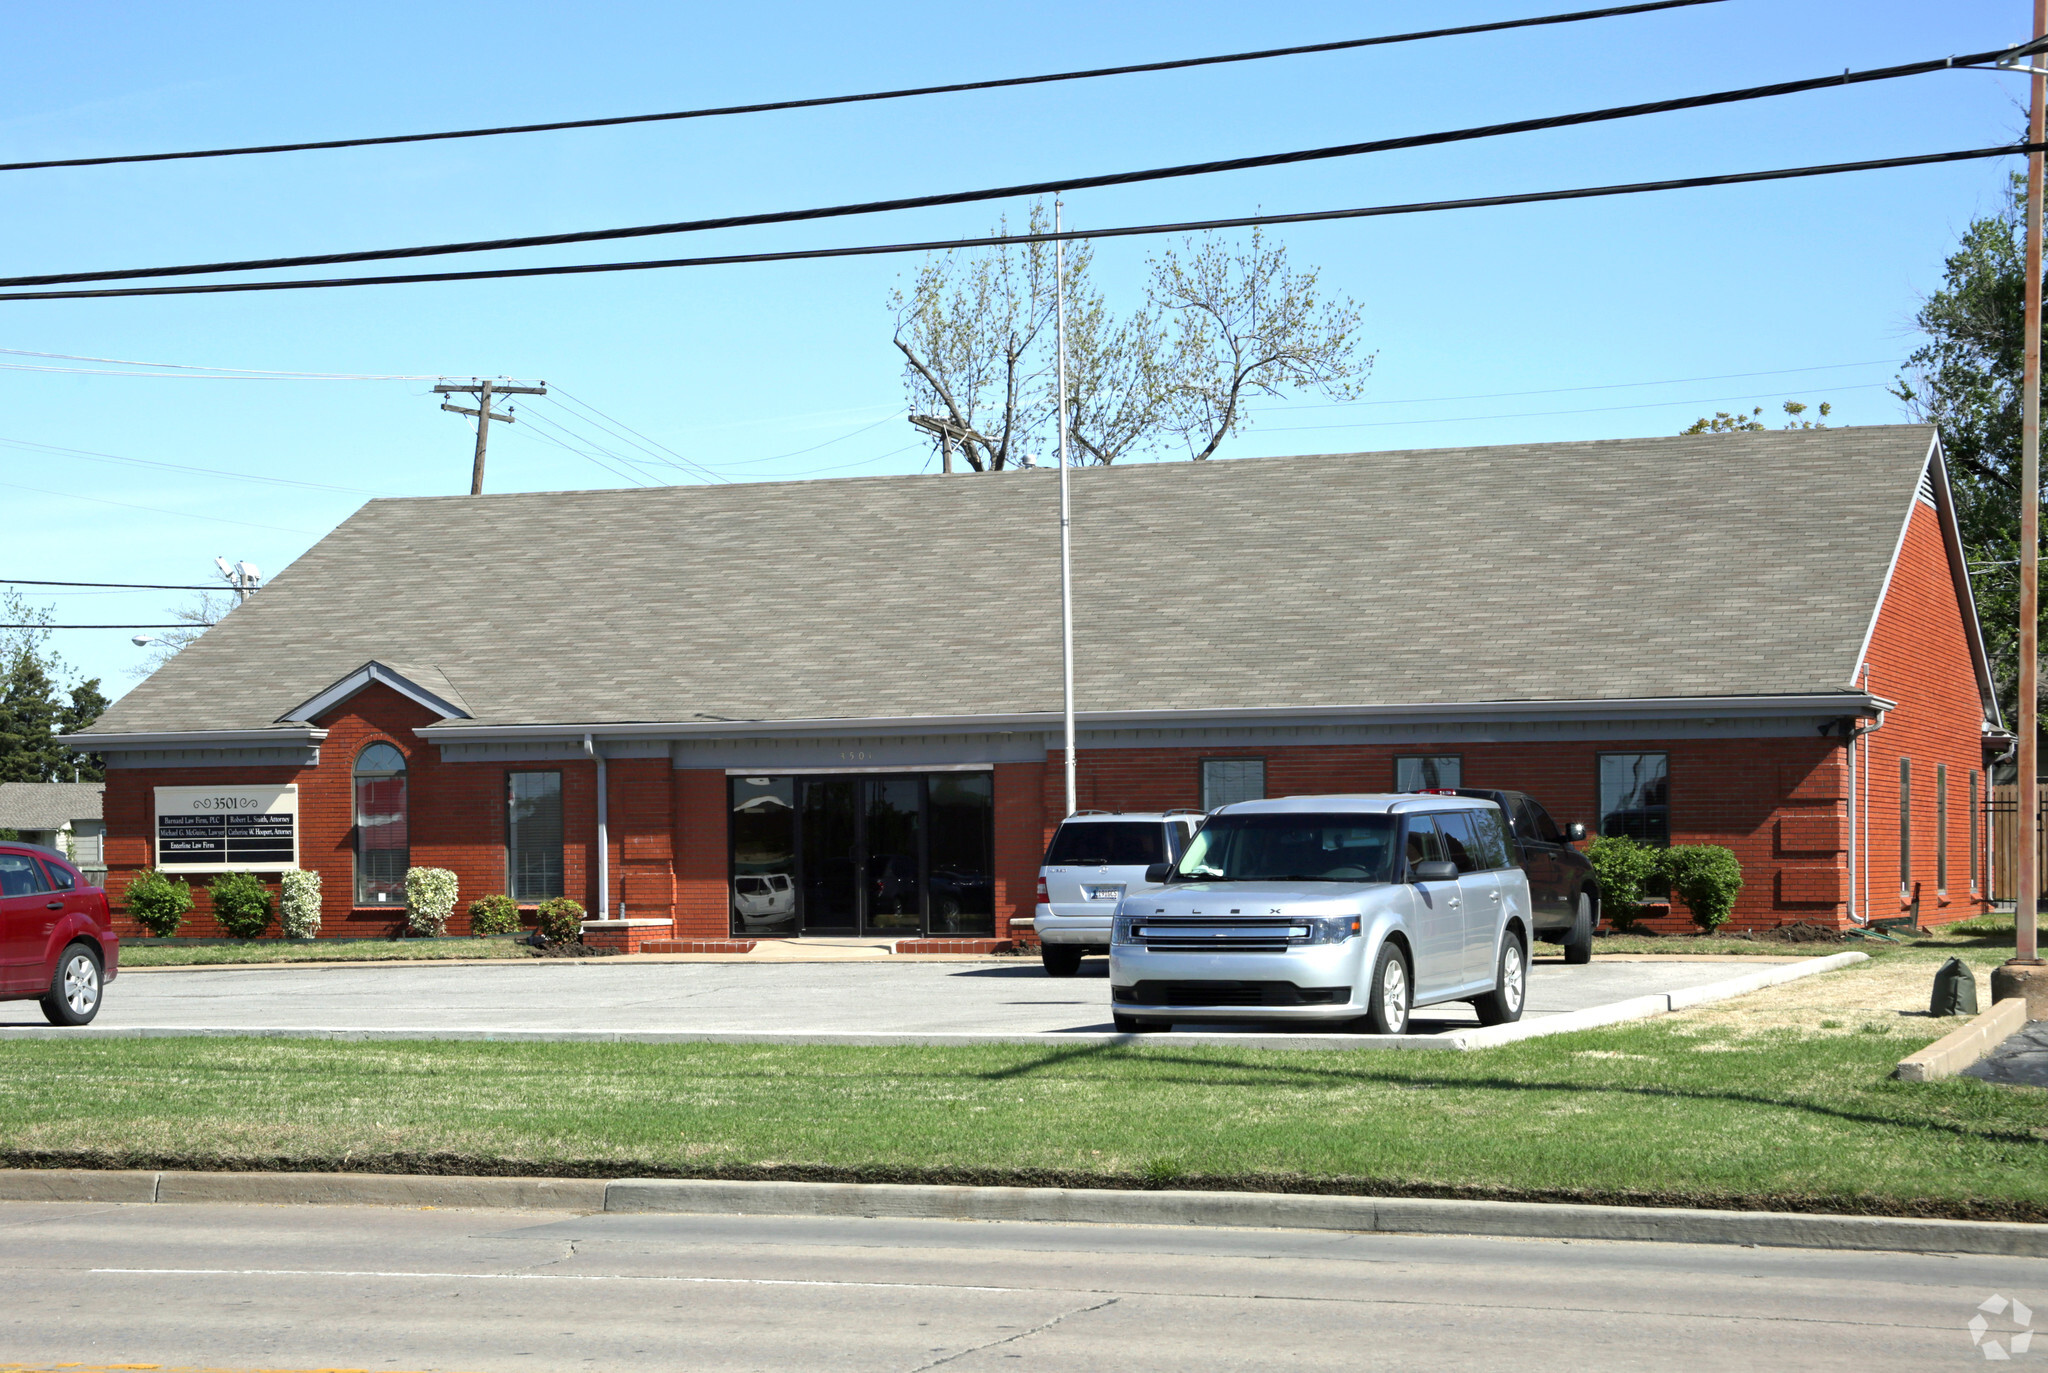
(1984, 932)
(1697, 1109)
(315, 951)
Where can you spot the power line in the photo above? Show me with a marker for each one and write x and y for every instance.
(573, 445)
(183, 624)
(1565, 390)
(201, 371)
(613, 426)
(817, 101)
(91, 456)
(154, 509)
(1064, 184)
(121, 586)
(1068, 235)
(1533, 414)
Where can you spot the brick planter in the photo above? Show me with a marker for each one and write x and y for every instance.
(954, 946)
(627, 936)
(697, 946)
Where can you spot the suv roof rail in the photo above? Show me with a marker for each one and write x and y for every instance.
(1183, 810)
(1094, 812)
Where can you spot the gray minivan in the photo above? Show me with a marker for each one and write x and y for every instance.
(1329, 908)
(1096, 859)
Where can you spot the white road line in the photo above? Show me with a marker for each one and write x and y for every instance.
(544, 1277)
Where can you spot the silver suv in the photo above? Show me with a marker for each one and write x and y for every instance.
(1329, 908)
(1095, 860)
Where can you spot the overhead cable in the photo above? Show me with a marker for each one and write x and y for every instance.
(817, 101)
(186, 624)
(121, 586)
(1061, 185)
(257, 373)
(1069, 235)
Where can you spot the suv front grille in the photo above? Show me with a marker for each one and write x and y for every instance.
(1215, 936)
(1219, 993)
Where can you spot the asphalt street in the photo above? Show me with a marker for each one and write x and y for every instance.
(2021, 1061)
(300, 1287)
(789, 998)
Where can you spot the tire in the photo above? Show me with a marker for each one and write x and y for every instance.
(1393, 993)
(1503, 1005)
(1131, 1025)
(1061, 960)
(1578, 943)
(75, 988)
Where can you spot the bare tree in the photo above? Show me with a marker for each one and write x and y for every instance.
(203, 610)
(1245, 323)
(1116, 383)
(970, 333)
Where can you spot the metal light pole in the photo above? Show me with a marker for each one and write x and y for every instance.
(2024, 975)
(1059, 296)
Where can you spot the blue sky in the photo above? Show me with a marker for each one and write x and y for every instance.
(1594, 320)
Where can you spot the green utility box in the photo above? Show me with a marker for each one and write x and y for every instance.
(1955, 990)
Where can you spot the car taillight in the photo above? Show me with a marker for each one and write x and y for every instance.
(1041, 888)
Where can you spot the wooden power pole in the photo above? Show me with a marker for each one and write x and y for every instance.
(483, 414)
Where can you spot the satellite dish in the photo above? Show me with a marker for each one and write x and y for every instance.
(249, 572)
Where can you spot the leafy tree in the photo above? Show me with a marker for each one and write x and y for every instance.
(1753, 423)
(1965, 380)
(1222, 321)
(1245, 323)
(35, 708)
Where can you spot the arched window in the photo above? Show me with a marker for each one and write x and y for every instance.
(381, 846)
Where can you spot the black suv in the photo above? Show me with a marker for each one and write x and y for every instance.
(1562, 888)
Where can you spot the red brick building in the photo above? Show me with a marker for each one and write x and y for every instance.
(833, 707)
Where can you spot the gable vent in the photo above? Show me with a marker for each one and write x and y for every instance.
(1927, 483)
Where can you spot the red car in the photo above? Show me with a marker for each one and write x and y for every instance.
(57, 940)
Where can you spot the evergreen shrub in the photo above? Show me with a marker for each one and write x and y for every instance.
(158, 903)
(241, 903)
(298, 905)
(1625, 869)
(1708, 878)
(494, 914)
(429, 900)
(561, 920)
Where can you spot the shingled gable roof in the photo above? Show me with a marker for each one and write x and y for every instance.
(1713, 566)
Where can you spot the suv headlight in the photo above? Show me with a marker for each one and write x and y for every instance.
(1333, 929)
(1120, 930)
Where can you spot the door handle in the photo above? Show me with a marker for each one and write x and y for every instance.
(1496, 896)
(1454, 903)
(53, 905)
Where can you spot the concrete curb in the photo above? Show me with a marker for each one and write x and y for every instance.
(1066, 1206)
(1960, 1048)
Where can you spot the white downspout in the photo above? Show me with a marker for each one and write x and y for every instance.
(604, 846)
(1855, 736)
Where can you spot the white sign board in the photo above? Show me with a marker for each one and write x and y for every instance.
(227, 829)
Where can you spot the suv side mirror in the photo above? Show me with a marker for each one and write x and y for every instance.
(1575, 831)
(1159, 872)
(1435, 870)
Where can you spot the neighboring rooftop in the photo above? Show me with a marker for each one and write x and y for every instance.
(48, 805)
(1715, 565)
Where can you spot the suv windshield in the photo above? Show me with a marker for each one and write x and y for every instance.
(1109, 844)
(1292, 848)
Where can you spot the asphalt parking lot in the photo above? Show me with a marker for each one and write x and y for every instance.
(875, 996)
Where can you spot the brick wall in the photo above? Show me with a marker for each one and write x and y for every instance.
(1919, 657)
(703, 908)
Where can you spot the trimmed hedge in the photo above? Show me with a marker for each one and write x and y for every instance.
(1625, 869)
(494, 914)
(429, 900)
(157, 902)
(1708, 878)
(299, 904)
(241, 903)
(561, 920)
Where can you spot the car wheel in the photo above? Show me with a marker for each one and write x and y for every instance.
(1061, 960)
(1578, 945)
(1392, 993)
(1510, 985)
(1131, 1025)
(74, 997)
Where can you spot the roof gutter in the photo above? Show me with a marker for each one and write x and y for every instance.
(196, 738)
(1647, 708)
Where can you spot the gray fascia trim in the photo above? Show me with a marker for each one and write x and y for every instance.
(198, 738)
(372, 671)
(1647, 708)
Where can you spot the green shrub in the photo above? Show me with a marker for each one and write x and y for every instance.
(494, 914)
(561, 920)
(1625, 869)
(298, 905)
(1707, 878)
(158, 903)
(241, 903)
(429, 900)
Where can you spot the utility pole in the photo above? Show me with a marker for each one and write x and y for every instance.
(483, 415)
(243, 577)
(2025, 976)
(950, 432)
(1059, 297)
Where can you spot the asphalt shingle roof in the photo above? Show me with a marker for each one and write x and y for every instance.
(1727, 564)
(48, 805)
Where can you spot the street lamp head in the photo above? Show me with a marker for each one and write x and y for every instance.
(143, 640)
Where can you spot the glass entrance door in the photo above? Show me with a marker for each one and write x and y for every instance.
(867, 855)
